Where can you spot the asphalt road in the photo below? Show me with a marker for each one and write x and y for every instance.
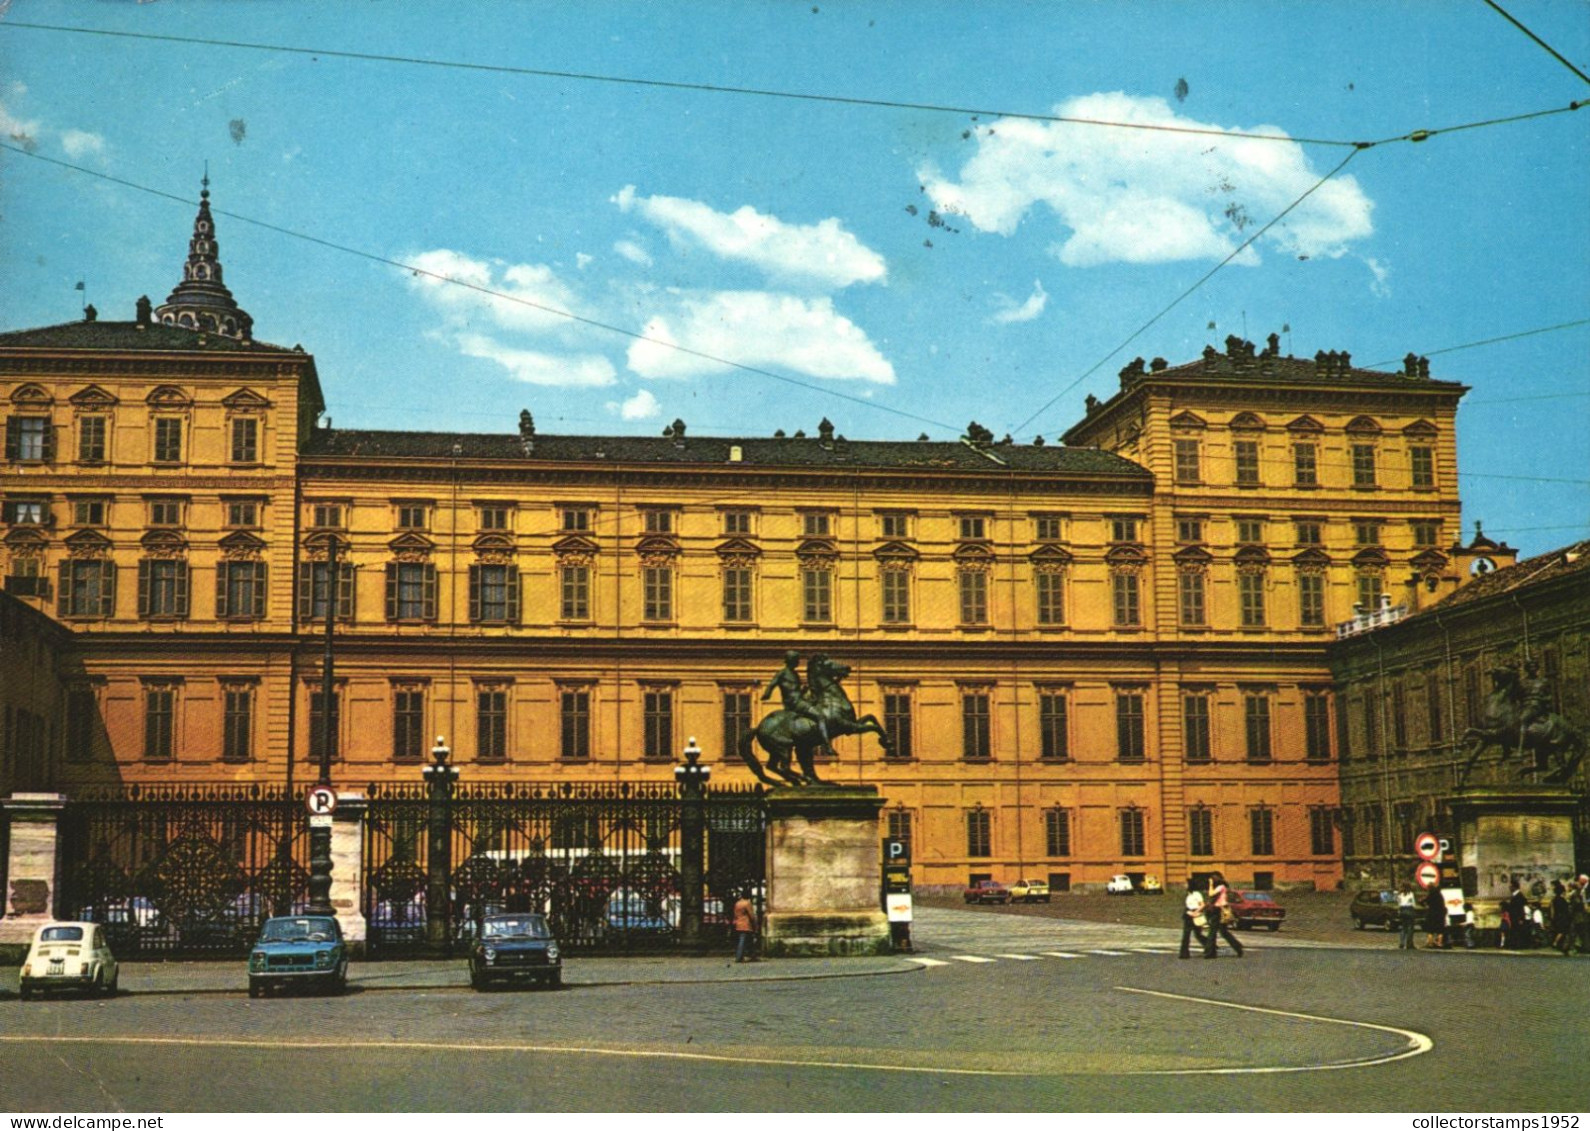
(996, 1012)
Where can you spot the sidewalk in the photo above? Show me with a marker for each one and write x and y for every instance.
(231, 976)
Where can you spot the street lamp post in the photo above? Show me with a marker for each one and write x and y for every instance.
(439, 851)
(320, 826)
(692, 778)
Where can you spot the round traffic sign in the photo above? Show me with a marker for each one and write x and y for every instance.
(1428, 846)
(321, 801)
(1427, 874)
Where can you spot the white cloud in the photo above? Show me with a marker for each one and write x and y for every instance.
(534, 368)
(1378, 286)
(633, 252)
(1027, 311)
(1135, 196)
(25, 132)
(30, 133)
(758, 328)
(821, 254)
(641, 406)
(534, 293)
(581, 261)
(81, 143)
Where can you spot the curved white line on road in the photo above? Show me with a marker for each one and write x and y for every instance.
(1418, 1043)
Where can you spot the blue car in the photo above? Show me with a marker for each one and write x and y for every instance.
(304, 950)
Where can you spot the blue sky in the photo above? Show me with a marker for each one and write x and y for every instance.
(903, 269)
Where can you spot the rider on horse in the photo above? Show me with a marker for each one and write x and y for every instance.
(787, 682)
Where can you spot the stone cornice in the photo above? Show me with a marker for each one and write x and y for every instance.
(51, 363)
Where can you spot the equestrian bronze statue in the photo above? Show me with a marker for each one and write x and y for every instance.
(1518, 717)
(812, 714)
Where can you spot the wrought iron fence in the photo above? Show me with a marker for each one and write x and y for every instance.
(182, 870)
(601, 860)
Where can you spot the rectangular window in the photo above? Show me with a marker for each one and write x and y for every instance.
(658, 710)
(1434, 706)
(245, 439)
(1189, 530)
(493, 517)
(1190, 598)
(974, 527)
(974, 596)
(1310, 532)
(1343, 731)
(1047, 527)
(1250, 531)
(1133, 838)
(237, 724)
(1371, 726)
(26, 512)
(1311, 599)
(165, 512)
(89, 512)
(1305, 465)
(1256, 725)
(91, 439)
(894, 525)
(1246, 453)
(976, 737)
(1370, 587)
(411, 516)
(1317, 726)
(575, 592)
(1261, 823)
(737, 594)
(1123, 529)
(313, 579)
(897, 716)
(87, 589)
(168, 439)
(317, 725)
(240, 590)
(1422, 463)
(1195, 727)
(491, 724)
(160, 706)
(494, 594)
(326, 516)
(1188, 468)
(815, 525)
(1050, 587)
(1200, 832)
(1363, 465)
(1057, 832)
(410, 591)
(576, 519)
(408, 726)
(1130, 744)
(659, 521)
(82, 724)
(1250, 597)
(736, 718)
(737, 522)
(1366, 531)
(658, 585)
(1399, 718)
(1426, 533)
(1054, 730)
(1321, 832)
(899, 826)
(979, 833)
(28, 438)
(817, 596)
(574, 724)
(896, 596)
(162, 588)
(242, 513)
(1126, 605)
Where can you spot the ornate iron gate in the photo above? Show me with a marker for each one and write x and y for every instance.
(182, 870)
(600, 860)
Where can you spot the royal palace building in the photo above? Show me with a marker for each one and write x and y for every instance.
(1097, 656)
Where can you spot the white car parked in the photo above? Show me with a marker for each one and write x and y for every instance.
(1119, 885)
(69, 956)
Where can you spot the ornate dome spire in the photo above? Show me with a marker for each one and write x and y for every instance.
(201, 301)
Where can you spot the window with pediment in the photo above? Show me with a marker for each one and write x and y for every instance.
(163, 577)
(411, 580)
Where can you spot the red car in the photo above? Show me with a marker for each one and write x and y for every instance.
(1256, 909)
(987, 891)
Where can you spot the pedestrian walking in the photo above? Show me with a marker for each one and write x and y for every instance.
(1435, 921)
(1217, 911)
(1561, 925)
(1519, 928)
(1193, 920)
(744, 929)
(1407, 916)
(1579, 906)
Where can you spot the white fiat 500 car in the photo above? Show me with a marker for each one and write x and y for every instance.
(1119, 885)
(69, 956)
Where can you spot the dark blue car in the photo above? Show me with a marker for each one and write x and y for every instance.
(512, 947)
(305, 950)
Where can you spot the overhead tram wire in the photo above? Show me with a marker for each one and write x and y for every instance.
(1548, 48)
(1177, 301)
(412, 269)
(1488, 342)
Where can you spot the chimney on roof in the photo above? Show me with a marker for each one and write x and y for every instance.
(677, 431)
(1158, 365)
(1272, 346)
(90, 314)
(1210, 353)
(143, 308)
(1424, 368)
(1410, 364)
(1131, 370)
(825, 432)
(1037, 441)
(527, 431)
(1345, 361)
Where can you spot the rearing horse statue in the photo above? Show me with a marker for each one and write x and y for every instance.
(787, 731)
(1557, 745)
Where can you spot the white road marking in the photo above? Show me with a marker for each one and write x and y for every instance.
(927, 961)
(1019, 957)
(970, 958)
(1061, 954)
(1111, 953)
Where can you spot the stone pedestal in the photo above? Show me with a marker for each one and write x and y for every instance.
(347, 867)
(33, 869)
(1508, 833)
(824, 873)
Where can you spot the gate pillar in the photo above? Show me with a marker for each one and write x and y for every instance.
(347, 867)
(33, 870)
(824, 873)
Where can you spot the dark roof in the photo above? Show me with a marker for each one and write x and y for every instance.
(754, 452)
(1538, 570)
(131, 336)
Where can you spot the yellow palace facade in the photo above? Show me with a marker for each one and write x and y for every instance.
(1099, 656)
